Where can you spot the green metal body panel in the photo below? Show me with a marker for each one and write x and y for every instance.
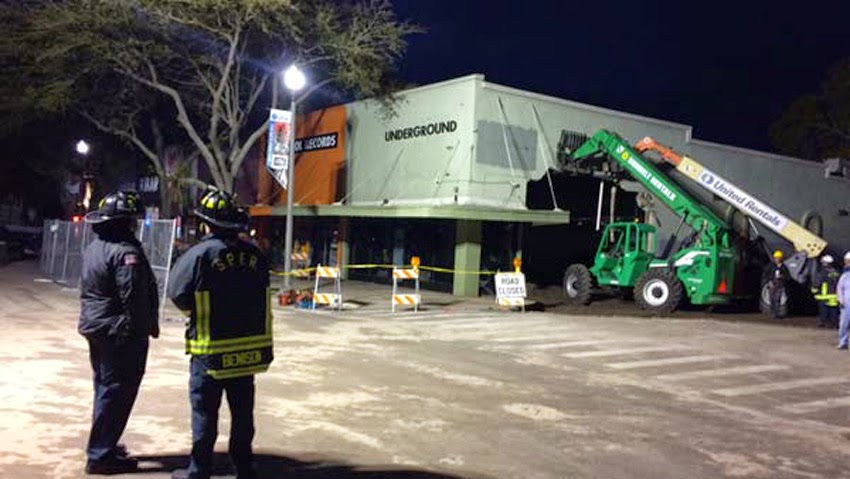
(623, 254)
(706, 267)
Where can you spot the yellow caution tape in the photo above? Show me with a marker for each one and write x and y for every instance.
(433, 269)
(454, 271)
(294, 272)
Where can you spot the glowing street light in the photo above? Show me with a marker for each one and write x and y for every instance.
(83, 147)
(294, 80)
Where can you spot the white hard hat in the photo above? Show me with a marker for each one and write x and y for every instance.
(827, 259)
(847, 256)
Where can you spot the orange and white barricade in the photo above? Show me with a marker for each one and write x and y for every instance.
(411, 274)
(331, 299)
(300, 262)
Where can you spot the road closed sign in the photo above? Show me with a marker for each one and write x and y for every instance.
(510, 285)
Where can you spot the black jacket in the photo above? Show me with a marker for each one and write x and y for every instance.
(825, 280)
(222, 283)
(778, 275)
(118, 292)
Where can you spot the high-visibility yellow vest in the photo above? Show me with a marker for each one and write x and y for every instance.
(824, 295)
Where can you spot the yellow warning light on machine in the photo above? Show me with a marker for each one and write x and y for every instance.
(517, 264)
(415, 261)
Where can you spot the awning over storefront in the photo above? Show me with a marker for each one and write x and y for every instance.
(448, 212)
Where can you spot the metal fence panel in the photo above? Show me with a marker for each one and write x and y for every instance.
(64, 242)
(157, 239)
(47, 244)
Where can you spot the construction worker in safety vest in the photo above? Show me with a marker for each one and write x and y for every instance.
(119, 311)
(823, 288)
(222, 283)
(778, 277)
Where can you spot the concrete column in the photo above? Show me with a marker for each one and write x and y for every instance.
(344, 247)
(467, 257)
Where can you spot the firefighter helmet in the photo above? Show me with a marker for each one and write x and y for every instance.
(219, 208)
(121, 204)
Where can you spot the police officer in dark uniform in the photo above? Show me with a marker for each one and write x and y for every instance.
(778, 277)
(119, 310)
(222, 283)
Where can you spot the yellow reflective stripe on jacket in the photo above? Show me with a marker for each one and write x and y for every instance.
(202, 320)
(211, 349)
(202, 315)
(204, 344)
(238, 372)
(229, 342)
(269, 314)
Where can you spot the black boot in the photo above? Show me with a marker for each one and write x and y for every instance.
(112, 465)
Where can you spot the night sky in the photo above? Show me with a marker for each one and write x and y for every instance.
(729, 69)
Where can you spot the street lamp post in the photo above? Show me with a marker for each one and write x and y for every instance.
(83, 149)
(294, 80)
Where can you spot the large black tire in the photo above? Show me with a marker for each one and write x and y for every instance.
(764, 300)
(659, 291)
(578, 285)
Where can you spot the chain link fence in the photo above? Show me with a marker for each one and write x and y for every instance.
(63, 243)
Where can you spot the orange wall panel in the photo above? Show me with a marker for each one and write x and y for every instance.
(319, 161)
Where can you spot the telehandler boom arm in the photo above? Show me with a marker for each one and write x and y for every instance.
(694, 213)
(802, 239)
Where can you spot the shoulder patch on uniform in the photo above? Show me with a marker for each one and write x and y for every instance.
(130, 259)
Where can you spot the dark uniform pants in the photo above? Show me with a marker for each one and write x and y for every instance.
(776, 293)
(205, 396)
(118, 372)
(827, 315)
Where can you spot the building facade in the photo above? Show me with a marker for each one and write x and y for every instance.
(464, 173)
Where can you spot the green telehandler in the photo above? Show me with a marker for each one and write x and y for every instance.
(700, 268)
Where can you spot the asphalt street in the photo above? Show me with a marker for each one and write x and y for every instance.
(460, 389)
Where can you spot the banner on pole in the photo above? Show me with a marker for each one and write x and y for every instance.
(277, 153)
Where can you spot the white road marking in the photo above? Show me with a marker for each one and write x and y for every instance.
(620, 352)
(720, 372)
(495, 323)
(456, 319)
(669, 361)
(540, 335)
(778, 386)
(814, 406)
(459, 314)
(582, 342)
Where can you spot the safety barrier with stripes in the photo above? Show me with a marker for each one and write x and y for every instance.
(300, 265)
(397, 299)
(407, 299)
(331, 299)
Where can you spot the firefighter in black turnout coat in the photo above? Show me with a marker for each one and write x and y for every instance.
(119, 310)
(222, 283)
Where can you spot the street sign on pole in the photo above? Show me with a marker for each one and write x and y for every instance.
(278, 152)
